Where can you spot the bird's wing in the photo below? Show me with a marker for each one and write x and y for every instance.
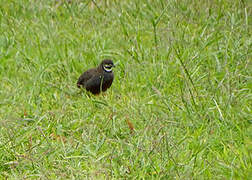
(93, 83)
(85, 77)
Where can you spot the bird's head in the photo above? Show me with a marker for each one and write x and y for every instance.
(107, 65)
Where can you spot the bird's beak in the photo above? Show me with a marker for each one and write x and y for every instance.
(115, 64)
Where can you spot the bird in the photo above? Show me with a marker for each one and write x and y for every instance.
(97, 79)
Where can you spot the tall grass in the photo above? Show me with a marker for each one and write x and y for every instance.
(179, 108)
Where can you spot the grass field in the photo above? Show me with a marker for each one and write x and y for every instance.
(179, 107)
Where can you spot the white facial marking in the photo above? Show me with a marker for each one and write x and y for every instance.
(107, 68)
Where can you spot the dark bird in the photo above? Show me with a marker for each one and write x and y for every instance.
(97, 79)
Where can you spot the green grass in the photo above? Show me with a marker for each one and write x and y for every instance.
(179, 108)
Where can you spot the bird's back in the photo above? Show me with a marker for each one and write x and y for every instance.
(86, 76)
